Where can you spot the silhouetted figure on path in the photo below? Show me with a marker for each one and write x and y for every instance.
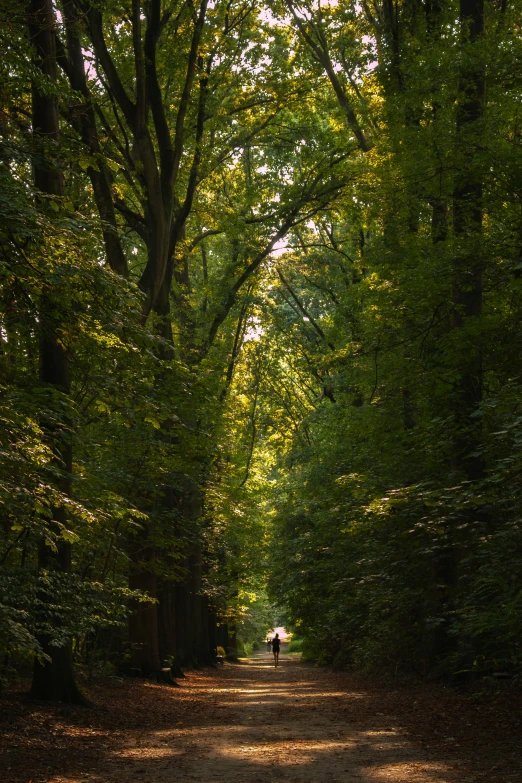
(276, 646)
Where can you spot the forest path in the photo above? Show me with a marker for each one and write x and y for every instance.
(251, 722)
(291, 724)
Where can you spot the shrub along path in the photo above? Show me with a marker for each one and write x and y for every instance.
(250, 722)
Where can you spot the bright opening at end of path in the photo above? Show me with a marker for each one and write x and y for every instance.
(283, 635)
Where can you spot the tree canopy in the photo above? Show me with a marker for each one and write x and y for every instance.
(260, 342)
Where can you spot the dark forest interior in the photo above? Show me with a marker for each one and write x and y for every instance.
(260, 339)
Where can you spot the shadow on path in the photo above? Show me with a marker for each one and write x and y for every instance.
(243, 723)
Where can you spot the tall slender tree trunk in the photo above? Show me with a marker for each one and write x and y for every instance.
(195, 602)
(183, 629)
(467, 302)
(212, 631)
(467, 226)
(53, 679)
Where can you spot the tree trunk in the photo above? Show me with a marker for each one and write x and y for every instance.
(203, 650)
(87, 126)
(467, 307)
(143, 622)
(153, 627)
(143, 628)
(212, 633)
(467, 225)
(183, 629)
(168, 628)
(195, 602)
(52, 679)
(222, 635)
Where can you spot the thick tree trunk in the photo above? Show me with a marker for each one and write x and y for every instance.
(184, 625)
(203, 649)
(192, 649)
(143, 626)
(153, 627)
(222, 635)
(167, 622)
(52, 679)
(168, 628)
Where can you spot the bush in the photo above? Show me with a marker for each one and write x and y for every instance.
(244, 649)
(295, 646)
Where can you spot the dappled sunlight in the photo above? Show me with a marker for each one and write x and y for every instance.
(410, 771)
(258, 721)
(152, 752)
(239, 725)
(289, 753)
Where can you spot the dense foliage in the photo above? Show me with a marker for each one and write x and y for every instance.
(260, 303)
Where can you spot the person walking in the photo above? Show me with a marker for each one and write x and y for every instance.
(276, 646)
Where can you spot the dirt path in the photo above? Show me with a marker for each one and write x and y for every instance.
(250, 722)
(284, 724)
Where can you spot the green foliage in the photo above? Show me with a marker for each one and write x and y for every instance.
(393, 502)
(256, 619)
(318, 394)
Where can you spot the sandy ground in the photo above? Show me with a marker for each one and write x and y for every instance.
(248, 723)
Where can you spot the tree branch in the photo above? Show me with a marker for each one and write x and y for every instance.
(254, 433)
(154, 26)
(323, 57)
(139, 66)
(238, 337)
(303, 310)
(128, 108)
(185, 96)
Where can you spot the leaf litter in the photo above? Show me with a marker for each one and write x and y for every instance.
(243, 723)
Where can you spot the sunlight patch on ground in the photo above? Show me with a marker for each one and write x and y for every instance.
(381, 733)
(286, 752)
(202, 730)
(149, 751)
(409, 771)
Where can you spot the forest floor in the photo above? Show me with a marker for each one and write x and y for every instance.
(250, 722)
